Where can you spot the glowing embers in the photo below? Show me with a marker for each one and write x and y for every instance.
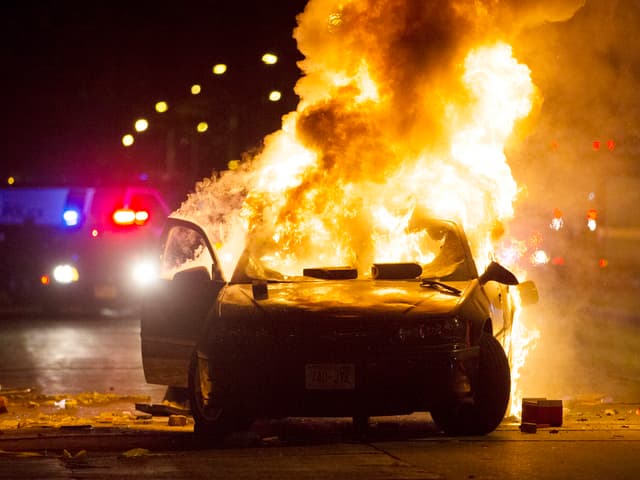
(126, 216)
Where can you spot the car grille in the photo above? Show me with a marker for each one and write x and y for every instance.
(341, 338)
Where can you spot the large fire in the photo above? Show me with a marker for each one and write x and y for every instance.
(398, 114)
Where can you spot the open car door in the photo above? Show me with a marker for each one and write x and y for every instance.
(175, 312)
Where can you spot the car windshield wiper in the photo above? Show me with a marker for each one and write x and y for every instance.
(440, 286)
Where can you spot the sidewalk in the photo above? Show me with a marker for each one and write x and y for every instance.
(108, 422)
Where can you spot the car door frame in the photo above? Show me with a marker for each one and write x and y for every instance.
(175, 313)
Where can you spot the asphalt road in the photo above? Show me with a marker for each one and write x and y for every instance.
(589, 445)
(72, 384)
(73, 353)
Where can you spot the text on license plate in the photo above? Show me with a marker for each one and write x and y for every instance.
(330, 376)
(105, 292)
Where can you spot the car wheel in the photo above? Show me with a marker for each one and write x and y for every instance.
(211, 416)
(491, 389)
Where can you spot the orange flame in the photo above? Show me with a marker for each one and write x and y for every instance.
(383, 132)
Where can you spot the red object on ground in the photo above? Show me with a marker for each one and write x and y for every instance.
(542, 412)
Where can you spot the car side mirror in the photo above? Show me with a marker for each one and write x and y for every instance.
(497, 273)
(528, 293)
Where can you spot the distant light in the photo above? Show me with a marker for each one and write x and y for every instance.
(65, 274)
(11, 180)
(611, 145)
(195, 89)
(126, 216)
(95, 233)
(162, 107)
(592, 196)
(558, 261)
(127, 140)
(141, 217)
(270, 58)
(71, 217)
(275, 96)
(141, 125)
(233, 164)
(595, 145)
(202, 127)
(219, 69)
(539, 257)
(592, 219)
(603, 263)
(45, 280)
(556, 224)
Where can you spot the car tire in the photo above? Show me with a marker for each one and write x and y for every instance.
(491, 390)
(215, 421)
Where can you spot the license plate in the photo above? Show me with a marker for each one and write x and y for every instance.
(105, 292)
(330, 376)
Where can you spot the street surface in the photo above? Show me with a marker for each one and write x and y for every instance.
(72, 386)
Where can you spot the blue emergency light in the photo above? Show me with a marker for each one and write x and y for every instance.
(71, 217)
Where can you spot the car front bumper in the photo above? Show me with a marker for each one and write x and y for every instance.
(399, 379)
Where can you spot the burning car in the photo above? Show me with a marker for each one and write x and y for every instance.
(332, 341)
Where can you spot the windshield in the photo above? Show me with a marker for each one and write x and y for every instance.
(442, 256)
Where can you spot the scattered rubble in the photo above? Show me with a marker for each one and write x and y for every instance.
(177, 420)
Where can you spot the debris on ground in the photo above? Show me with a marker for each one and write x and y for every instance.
(541, 412)
(177, 420)
(79, 458)
(135, 453)
(25, 408)
(163, 409)
(528, 427)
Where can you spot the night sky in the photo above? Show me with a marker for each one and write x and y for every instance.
(77, 74)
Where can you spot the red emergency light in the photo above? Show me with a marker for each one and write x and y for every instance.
(127, 216)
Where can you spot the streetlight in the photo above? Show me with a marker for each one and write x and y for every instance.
(275, 95)
(219, 69)
(127, 140)
(202, 127)
(161, 106)
(195, 89)
(269, 58)
(141, 125)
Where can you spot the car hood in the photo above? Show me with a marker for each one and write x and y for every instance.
(343, 298)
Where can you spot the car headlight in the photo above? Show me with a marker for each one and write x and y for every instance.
(144, 272)
(65, 273)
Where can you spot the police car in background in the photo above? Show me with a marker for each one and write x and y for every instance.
(70, 247)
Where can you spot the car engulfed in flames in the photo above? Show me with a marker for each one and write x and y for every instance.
(333, 341)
